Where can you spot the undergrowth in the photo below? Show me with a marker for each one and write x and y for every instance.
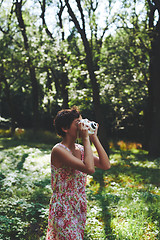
(123, 202)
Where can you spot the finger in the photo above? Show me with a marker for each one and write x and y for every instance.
(80, 125)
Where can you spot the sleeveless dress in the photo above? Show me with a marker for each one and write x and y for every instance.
(68, 205)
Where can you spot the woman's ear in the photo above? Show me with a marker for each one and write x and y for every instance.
(64, 130)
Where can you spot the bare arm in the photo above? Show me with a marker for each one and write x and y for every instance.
(65, 157)
(88, 155)
(102, 161)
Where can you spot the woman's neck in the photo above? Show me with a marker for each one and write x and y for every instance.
(69, 144)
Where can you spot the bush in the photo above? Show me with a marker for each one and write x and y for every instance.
(35, 136)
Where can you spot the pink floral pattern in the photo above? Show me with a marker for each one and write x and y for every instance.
(68, 205)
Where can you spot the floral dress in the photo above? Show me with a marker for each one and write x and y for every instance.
(68, 205)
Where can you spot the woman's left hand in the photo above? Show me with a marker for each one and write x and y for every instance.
(92, 136)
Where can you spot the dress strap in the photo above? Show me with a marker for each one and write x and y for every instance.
(80, 147)
(62, 145)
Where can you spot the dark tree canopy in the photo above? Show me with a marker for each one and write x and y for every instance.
(55, 55)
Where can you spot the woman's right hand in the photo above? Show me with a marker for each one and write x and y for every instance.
(83, 131)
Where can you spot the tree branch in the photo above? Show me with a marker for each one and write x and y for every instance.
(60, 18)
(94, 8)
(152, 8)
(21, 23)
(81, 12)
(71, 13)
(43, 8)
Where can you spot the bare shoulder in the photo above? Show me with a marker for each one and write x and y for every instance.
(59, 149)
(58, 153)
(61, 156)
(56, 148)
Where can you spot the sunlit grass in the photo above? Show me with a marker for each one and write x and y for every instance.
(128, 196)
(123, 202)
(25, 190)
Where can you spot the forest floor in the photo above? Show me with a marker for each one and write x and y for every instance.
(123, 202)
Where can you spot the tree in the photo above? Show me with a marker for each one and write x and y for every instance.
(6, 79)
(154, 82)
(61, 76)
(91, 64)
(125, 71)
(34, 82)
(8, 97)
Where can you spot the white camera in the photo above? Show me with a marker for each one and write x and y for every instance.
(90, 125)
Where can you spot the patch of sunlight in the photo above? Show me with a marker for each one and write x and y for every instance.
(89, 179)
(129, 146)
(39, 163)
(95, 210)
(95, 187)
(125, 178)
(94, 223)
(145, 164)
(156, 190)
(115, 159)
(10, 179)
(124, 227)
(108, 179)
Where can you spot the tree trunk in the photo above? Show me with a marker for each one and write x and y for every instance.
(34, 82)
(61, 84)
(90, 67)
(64, 75)
(64, 90)
(154, 141)
(96, 97)
(154, 84)
(8, 99)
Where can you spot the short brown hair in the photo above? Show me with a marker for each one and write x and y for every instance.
(64, 119)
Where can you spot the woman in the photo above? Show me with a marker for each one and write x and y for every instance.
(70, 164)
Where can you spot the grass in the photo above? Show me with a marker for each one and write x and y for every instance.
(123, 202)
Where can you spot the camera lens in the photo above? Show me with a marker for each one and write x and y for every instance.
(93, 125)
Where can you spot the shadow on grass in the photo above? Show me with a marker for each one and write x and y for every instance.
(6, 143)
(11, 143)
(153, 203)
(126, 166)
(42, 194)
(39, 200)
(140, 174)
(20, 164)
(122, 170)
(103, 203)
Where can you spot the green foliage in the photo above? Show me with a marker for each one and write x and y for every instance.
(126, 199)
(122, 82)
(25, 190)
(123, 202)
(36, 136)
(120, 62)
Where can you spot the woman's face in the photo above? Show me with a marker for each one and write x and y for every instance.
(73, 130)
